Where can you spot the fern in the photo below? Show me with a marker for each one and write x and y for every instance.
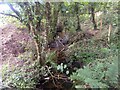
(101, 73)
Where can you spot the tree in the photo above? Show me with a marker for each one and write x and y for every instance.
(92, 8)
(52, 14)
(77, 14)
(31, 14)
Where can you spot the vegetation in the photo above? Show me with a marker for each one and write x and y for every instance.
(86, 57)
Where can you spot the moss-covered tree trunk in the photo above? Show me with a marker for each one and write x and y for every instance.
(33, 17)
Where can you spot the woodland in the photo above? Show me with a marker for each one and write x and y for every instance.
(59, 46)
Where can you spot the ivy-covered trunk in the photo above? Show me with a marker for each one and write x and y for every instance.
(34, 17)
(38, 45)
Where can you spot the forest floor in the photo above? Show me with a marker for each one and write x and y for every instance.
(12, 44)
(14, 40)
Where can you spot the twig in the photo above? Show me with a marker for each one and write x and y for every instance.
(51, 75)
(109, 31)
(101, 25)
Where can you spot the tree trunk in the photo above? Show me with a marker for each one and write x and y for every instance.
(93, 17)
(78, 24)
(78, 19)
(38, 14)
(55, 18)
(37, 45)
(48, 22)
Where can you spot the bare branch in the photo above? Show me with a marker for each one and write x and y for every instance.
(21, 4)
(15, 11)
(9, 15)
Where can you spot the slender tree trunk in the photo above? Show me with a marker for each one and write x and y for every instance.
(78, 19)
(48, 22)
(56, 14)
(38, 13)
(79, 26)
(37, 45)
(93, 17)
